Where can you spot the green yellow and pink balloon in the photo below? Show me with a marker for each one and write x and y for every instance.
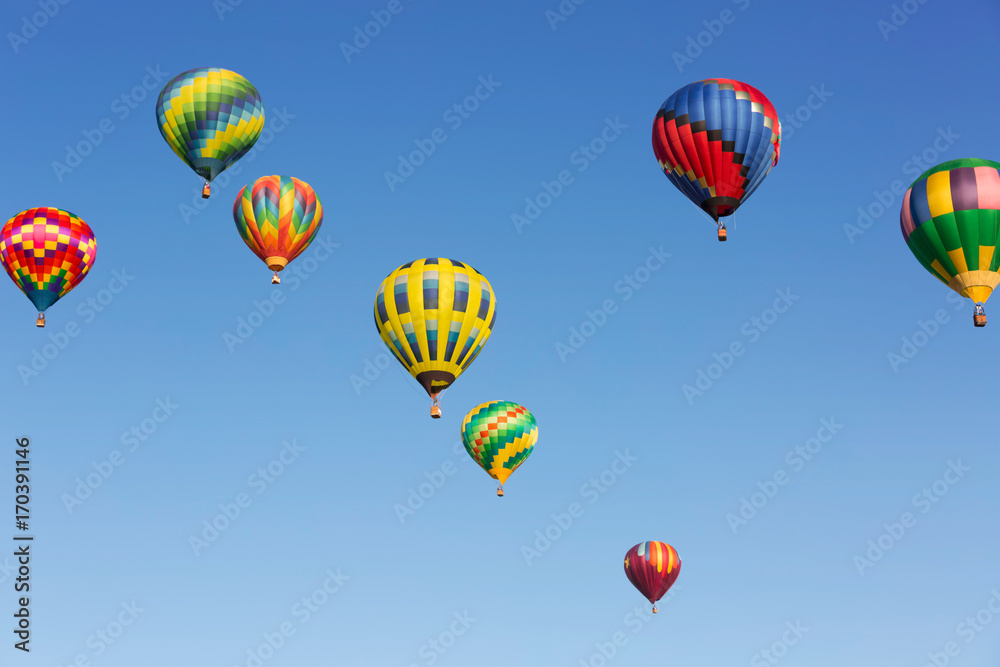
(950, 220)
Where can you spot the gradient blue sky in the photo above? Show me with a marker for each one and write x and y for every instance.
(332, 508)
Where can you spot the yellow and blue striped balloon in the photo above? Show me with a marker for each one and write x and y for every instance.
(435, 315)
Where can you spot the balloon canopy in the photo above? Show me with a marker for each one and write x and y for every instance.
(435, 315)
(47, 252)
(949, 220)
(499, 436)
(652, 567)
(716, 140)
(210, 117)
(277, 217)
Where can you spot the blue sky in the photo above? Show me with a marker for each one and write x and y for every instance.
(459, 570)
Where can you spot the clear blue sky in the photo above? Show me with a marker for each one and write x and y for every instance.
(889, 96)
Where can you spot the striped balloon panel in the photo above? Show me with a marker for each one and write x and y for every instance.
(950, 219)
(47, 252)
(435, 315)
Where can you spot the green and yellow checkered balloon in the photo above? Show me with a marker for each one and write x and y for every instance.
(210, 117)
(499, 436)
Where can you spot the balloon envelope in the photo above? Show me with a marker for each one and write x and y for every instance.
(499, 436)
(435, 315)
(47, 252)
(277, 217)
(949, 220)
(716, 140)
(210, 117)
(652, 567)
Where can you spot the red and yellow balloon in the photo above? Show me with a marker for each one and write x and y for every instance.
(652, 567)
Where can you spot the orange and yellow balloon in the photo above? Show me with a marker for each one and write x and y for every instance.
(277, 217)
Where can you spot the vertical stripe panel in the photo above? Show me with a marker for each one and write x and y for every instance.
(988, 186)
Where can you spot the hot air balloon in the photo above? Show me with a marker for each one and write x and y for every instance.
(499, 436)
(46, 252)
(950, 219)
(435, 320)
(211, 117)
(277, 217)
(716, 140)
(652, 567)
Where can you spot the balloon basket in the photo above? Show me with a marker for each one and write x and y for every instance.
(654, 608)
(979, 320)
(436, 411)
(499, 492)
(40, 322)
(275, 279)
(722, 233)
(206, 191)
